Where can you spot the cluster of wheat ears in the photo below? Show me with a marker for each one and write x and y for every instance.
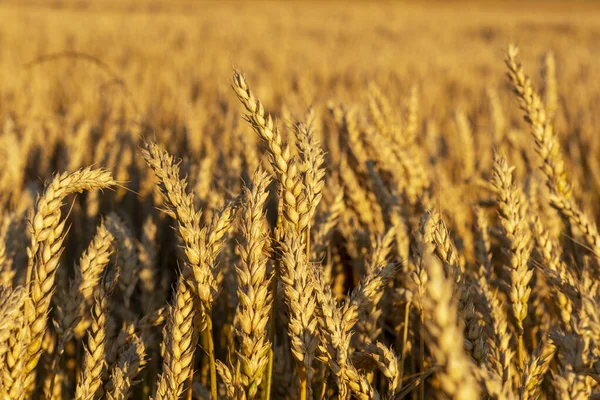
(329, 271)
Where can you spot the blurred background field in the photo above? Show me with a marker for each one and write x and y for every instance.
(169, 51)
(169, 63)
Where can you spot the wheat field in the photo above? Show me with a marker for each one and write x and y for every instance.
(261, 200)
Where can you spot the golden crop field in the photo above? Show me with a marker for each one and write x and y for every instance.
(299, 200)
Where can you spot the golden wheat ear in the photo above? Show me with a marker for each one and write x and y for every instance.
(47, 236)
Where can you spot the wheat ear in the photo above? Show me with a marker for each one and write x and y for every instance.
(516, 243)
(253, 292)
(296, 208)
(536, 368)
(368, 329)
(130, 363)
(547, 144)
(179, 343)
(299, 296)
(312, 159)
(443, 333)
(126, 255)
(94, 363)
(47, 235)
(335, 327)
